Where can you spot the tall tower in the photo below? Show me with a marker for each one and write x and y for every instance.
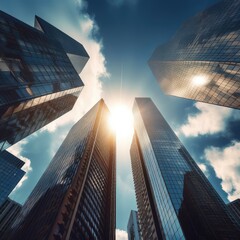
(10, 174)
(147, 215)
(38, 82)
(75, 197)
(9, 211)
(234, 207)
(133, 226)
(202, 61)
(179, 199)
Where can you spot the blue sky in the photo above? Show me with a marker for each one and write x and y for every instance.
(120, 36)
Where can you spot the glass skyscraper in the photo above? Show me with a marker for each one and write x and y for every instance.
(38, 81)
(75, 197)
(133, 229)
(180, 201)
(202, 61)
(10, 174)
(234, 207)
(149, 226)
(74, 50)
(9, 211)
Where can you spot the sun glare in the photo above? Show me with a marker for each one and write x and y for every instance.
(200, 80)
(121, 121)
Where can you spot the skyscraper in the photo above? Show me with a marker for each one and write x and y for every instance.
(133, 227)
(202, 61)
(38, 82)
(10, 174)
(75, 197)
(147, 215)
(234, 207)
(74, 50)
(9, 211)
(184, 205)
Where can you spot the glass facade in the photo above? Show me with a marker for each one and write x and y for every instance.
(75, 51)
(28, 120)
(186, 205)
(75, 197)
(9, 211)
(10, 174)
(133, 227)
(34, 69)
(234, 207)
(148, 221)
(202, 61)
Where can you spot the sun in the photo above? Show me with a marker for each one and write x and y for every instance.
(200, 80)
(121, 121)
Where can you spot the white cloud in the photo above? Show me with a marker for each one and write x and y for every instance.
(210, 120)
(203, 167)
(83, 30)
(16, 150)
(121, 235)
(226, 163)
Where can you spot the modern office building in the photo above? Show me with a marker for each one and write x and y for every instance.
(234, 207)
(184, 205)
(75, 197)
(74, 50)
(10, 174)
(38, 81)
(148, 221)
(202, 61)
(9, 211)
(133, 229)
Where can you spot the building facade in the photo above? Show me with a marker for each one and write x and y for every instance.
(9, 211)
(38, 81)
(133, 229)
(75, 197)
(10, 174)
(185, 204)
(202, 61)
(234, 208)
(148, 221)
